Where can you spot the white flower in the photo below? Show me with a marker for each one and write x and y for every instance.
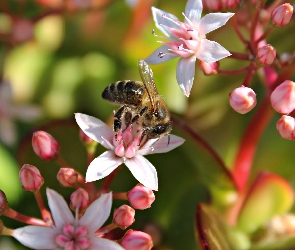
(188, 40)
(125, 147)
(69, 232)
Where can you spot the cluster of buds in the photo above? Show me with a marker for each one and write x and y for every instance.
(217, 5)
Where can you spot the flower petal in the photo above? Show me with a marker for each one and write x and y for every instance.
(193, 11)
(102, 166)
(161, 145)
(36, 237)
(163, 23)
(155, 59)
(211, 51)
(97, 213)
(95, 129)
(104, 244)
(213, 21)
(143, 171)
(185, 74)
(59, 208)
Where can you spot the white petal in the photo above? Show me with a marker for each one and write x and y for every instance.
(143, 171)
(36, 237)
(155, 59)
(27, 112)
(161, 22)
(104, 244)
(102, 166)
(5, 92)
(97, 213)
(7, 130)
(185, 74)
(193, 11)
(95, 129)
(161, 145)
(59, 208)
(213, 21)
(211, 51)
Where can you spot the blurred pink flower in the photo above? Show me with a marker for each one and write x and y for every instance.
(69, 232)
(125, 147)
(188, 40)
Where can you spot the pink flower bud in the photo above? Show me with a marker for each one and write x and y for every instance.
(213, 4)
(134, 240)
(67, 177)
(283, 97)
(286, 127)
(266, 54)
(141, 197)
(281, 15)
(230, 4)
(23, 30)
(208, 68)
(84, 138)
(3, 202)
(45, 146)
(124, 216)
(242, 99)
(79, 199)
(30, 178)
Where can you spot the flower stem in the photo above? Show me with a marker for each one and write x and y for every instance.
(108, 180)
(233, 72)
(44, 212)
(120, 196)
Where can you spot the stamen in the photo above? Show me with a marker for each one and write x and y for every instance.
(107, 142)
(189, 21)
(161, 54)
(164, 16)
(162, 37)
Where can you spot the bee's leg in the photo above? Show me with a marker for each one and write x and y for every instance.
(127, 119)
(168, 139)
(144, 133)
(117, 121)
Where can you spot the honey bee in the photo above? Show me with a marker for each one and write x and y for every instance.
(141, 103)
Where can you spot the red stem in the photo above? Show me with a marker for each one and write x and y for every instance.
(233, 72)
(108, 180)
(239, 56)
(44, 212)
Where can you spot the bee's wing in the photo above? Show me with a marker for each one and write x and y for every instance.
(146, 74)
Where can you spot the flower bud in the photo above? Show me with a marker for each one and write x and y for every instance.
(213, 4)
(45, 146)
(124, 216)
(286, 127)
(141, 197)
(3, 202)
(281, 15)
(242, 99)
(67, 177)
(283, 97)
(134, 240)
(23, 30)
(30, 178)
(266, 54)
(230, 4)
(79, 199)
(208, 68)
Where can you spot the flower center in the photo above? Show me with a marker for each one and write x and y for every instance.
(73, 238)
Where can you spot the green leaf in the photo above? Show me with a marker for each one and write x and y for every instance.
(269, 195)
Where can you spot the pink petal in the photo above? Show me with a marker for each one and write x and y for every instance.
(102, 166)
(193, 10)
(59, 208)
(155, 59)
(143, 171)
(213, 21)
(211, 51)
(97, 213)
(104, 244)
(161, 22)
(96, 129)
(36, 237)
(161, 145)
(185, 74)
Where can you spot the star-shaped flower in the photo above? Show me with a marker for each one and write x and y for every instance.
(188, 40)
(125, 147)
(69, 232)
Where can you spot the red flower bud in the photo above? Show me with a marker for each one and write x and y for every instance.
(242, 99)
(208, 68)
(286, 127)
(45, 146)
(141, 197)
(134, 240)
(3, 202)
(281, 15)
(283, 97)
(30, 178)
(213, 4)
(124, 216)
(266, 54)
(79, 199)
(67, 177)
(230, 4)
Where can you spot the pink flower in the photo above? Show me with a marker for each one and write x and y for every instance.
(69, 232)
(188, 40)
(125, 147)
